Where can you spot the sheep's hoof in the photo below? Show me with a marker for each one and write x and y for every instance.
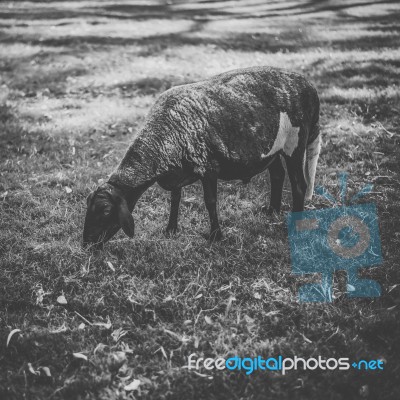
(215, 236)
(268, 210)
(171, 230)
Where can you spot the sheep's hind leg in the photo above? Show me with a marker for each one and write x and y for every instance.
(210, 198)
(277, 177)
(172, 226)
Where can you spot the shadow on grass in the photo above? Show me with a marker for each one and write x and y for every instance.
(369, 88)
(372, 73)
(148, 85)
(54, 82)
(290, 40)
(122, 10)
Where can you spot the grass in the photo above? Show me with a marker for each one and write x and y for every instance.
(77, 79)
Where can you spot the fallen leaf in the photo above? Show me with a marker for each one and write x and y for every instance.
(306, 339)
(364, 391)
(203, 375)
(62, 300)
(46, 371)
(224, 287)
(126, 348)
(118, 334)
(229, 305)
(189, 200)
(100, 347)
(208, 320)
(383, 359)
(177, 336)
(68, 189)
(11, 334)
(32, 370)
(109, 263)
(106, 325)
(350, 288)
(134, 385)
(394, 286)
(80, 356)
(116, 360)
(271, 313)
(62, 328)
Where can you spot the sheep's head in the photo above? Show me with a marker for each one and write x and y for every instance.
(107, 212)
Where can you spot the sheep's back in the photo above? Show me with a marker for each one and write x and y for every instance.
(233, 117)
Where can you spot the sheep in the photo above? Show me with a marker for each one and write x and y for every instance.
(231, 127)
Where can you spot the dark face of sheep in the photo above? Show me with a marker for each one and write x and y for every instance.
(107, 212)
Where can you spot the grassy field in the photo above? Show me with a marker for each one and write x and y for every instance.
(77, 79)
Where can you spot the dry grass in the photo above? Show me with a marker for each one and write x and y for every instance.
(77, 79)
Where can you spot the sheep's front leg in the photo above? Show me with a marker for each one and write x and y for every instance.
(172, 226)
(277, 178)
(294, 166)
(210, 198)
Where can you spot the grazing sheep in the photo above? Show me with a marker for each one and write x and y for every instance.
(231, 126)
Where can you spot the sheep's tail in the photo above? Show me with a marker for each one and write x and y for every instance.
(311, 160)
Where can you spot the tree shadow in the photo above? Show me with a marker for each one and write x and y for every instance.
(182, 10)
(373, 73)
(290, 40)
(291, 37)
(148, 85)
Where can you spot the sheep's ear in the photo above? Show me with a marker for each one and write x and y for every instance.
(125, 219)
